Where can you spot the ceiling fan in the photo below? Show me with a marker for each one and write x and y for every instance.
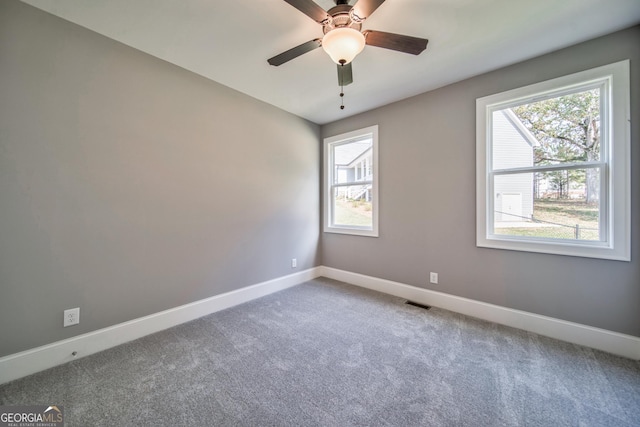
(343, 36)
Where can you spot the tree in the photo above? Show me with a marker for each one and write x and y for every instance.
(568, 131)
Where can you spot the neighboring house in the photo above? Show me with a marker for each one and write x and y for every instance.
(512, 147)
(354, 165)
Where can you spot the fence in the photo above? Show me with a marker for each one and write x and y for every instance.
(554, 230)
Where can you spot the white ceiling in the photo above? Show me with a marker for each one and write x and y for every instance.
(230, 41)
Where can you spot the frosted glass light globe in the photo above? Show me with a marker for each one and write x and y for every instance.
(343, 44)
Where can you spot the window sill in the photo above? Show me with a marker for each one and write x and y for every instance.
(601, 250)
(352, 231)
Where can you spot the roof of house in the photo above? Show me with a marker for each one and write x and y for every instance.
(520, 127)
(346, 153)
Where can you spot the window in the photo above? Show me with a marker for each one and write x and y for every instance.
(552, 164)
(351, 183)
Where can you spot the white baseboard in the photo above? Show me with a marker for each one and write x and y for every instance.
(601, 339)
(28, 362)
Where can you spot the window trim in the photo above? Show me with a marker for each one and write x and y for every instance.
(328, 186)
(615, 187)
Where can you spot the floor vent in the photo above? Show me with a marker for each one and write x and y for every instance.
(417, 304)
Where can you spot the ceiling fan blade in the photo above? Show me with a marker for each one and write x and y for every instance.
(295, 52)
(364, 8)
(345, 74)
(311, 9)
(399, 42)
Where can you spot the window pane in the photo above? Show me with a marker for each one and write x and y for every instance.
(563, 129)
(352, 206)
(351, 161)
(562, 204)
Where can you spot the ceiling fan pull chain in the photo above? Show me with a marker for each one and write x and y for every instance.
(342, 85)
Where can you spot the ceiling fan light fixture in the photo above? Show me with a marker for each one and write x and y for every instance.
(343, 44)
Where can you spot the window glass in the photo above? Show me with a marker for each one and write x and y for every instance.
(548, 205)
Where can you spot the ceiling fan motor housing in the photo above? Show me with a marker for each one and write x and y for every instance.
(340, 18)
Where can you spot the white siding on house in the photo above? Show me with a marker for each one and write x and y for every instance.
(506, 187)
(363, 166)
(512, 147)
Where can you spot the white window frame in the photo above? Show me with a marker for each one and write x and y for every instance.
(615, 208)
(329, 226)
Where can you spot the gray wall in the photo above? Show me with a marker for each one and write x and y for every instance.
(427, 203)
(129, 186)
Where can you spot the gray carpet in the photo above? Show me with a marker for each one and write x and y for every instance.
(329, 354)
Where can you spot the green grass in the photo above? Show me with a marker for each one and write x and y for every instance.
(353, 213)
(552, 233)
(566, 212)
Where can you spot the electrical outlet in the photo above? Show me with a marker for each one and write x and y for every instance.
(71, 317)
(294, 263)
(433, 277)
